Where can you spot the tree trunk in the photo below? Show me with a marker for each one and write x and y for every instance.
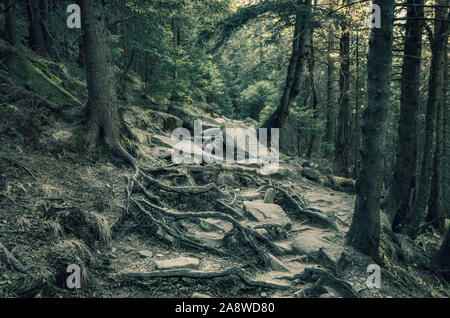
(329, 129)
(435, 87)
(103, 115)
(35, 27)
(356, 121)
(10, 22)
(364, 232)
(43, 14)
(315, 100)
(104, 122)
(446, 147)
(404, 180)
(175, 41)
(436, 214)
(342, 147)
(295, 68)
(80, 57)
(444, 255)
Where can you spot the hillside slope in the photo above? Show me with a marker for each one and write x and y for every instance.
(176, 230)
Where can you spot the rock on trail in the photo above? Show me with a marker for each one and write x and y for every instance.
(267, 213)
(178, 263)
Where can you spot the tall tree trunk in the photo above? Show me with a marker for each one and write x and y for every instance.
(80, 57)
(43, 14)
(315, 100)
(404, 180)
(364, 232)
(444, 255)
(329, 128)
(175, 41)
(295, 68)
(342, 147)
(35, 29)
(436, 213)
(356, 121)
(10, 22)
(104, 122)
(446, 146)
(435, 86)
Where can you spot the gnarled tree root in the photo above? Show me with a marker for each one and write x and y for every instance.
(135, 276)
(7, 257)
(219, 215)
(320, 277)
(302, 209)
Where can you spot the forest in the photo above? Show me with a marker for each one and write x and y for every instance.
(224, 149)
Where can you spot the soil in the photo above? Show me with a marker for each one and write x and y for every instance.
(60, 205)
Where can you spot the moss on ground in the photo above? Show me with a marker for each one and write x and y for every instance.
(34, 78)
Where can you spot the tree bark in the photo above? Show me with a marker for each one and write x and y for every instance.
(35, 27)
(43, 15)
(446, 147)
(176, 39)
(295, 68)
(315, 100)
(364, 232)
(404, 179)
(342, 146)
(10, 22)
(356, 119)
(444, 255)
(103, 120)
(329, 129)
(435, 87)
(436, 214)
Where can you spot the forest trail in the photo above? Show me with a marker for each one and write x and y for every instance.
(293, 245)
(305, 242)
(218, 230)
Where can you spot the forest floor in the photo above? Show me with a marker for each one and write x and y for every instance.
(57, 210)
(277, 235)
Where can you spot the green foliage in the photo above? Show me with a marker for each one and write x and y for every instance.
(38, 82)
(174, 67)
(257, 97)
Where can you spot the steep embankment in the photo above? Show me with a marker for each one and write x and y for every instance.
(174, 230)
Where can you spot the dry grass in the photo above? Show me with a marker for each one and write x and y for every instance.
(54, 227)
(91, 227)
(104, 228)
(72, 251)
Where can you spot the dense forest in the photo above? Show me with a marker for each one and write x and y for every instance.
(351, 95)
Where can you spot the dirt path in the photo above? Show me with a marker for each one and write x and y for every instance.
(60, 207)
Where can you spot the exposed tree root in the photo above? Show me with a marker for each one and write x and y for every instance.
(229, 210)
(163, 220)
(7, 257)
(302, 202)
(183, 190)
(133, 276)
(315, 290)
(322, 277)
(215, 167)
(182, 239)
(249, 235)
(158, 215)
(303, 209)
(402, 277)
